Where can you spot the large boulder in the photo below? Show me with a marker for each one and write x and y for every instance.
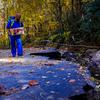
(70, 56)
(94, 64)
(51, 53)
(96, 58)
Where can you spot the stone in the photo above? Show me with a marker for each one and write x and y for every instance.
(2, 89)
(69, 56)
(52, 54)
(96, 58)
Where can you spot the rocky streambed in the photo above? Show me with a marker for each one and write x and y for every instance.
(49, 75)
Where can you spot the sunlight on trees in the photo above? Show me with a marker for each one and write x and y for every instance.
(45, 18)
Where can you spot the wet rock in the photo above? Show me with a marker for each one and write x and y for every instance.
(95, 71)
(93, 95)
(90, 95)
(91, 59)
(79, 97)
(90, 52)
(2, 89)
(96, 58)
(69, 56)
(97, 88)
(94, 65)
(87, 88)
(51, 53)
(11, 91)
(92, 55)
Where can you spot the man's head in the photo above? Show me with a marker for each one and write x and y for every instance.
(17, 16)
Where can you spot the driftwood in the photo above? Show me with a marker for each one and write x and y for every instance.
(47, 42)
(80, 46)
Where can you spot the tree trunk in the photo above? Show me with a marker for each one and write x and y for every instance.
(59, 16)
(72, 2)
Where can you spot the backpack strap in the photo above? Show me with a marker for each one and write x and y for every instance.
(12, 23)
(11, 20)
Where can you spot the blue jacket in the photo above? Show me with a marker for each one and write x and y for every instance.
(14, 24)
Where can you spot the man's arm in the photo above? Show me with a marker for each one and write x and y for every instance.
(22, 28)
(8, 26)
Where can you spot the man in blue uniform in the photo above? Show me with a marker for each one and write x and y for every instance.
(15, 39)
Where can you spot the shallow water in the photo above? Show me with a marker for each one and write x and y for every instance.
(57, 81)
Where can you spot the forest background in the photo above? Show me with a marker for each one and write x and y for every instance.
(72, 22)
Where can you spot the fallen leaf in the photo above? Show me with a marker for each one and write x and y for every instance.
(47, 82)
(44, 76)
(72, 81)
(25, 86)
(92, 78)
(49, 64)
(52, 92)
(58, 84)
(23, 81)
(62, 69)
(49, 72)
(33, 82)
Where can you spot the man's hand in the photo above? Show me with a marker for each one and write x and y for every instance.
(17, 31)
(11, 31)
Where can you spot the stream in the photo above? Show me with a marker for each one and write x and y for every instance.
(41, 78)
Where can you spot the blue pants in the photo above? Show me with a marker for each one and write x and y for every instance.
(16, 43)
